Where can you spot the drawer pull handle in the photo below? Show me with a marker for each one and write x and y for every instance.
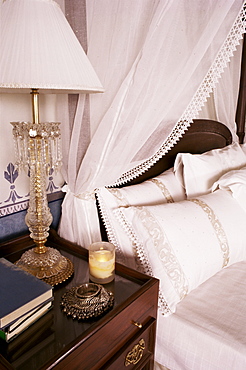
(135, 355)
(137, 324)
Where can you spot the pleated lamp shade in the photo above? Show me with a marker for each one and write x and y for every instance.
(40, 50)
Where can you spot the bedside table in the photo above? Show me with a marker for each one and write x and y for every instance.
(123, 338)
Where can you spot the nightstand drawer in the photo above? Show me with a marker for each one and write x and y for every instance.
(137, 352)
(98, 349)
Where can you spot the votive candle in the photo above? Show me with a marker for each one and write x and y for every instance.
(101, 262)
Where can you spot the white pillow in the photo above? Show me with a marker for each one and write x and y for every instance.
(235, 181)
(185, 243)
(200, 171)
(164, 188)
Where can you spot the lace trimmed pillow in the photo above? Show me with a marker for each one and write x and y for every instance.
(200, 171)
(185, 243)
(164, 188)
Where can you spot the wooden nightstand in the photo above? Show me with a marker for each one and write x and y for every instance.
(124, 338)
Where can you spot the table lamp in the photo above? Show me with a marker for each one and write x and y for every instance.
(41, 54)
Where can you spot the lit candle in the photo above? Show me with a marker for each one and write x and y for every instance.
(101, 262)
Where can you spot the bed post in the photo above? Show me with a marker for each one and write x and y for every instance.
(241, 104)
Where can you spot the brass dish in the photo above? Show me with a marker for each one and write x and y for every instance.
(87, 301)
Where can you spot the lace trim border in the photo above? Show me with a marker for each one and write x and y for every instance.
(199, 99)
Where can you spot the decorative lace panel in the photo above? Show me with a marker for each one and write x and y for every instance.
(164, 190)
(144, 264)
(164, 250)
(121, 199)
(220, 233)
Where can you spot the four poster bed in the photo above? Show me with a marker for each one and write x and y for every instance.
(184, 221)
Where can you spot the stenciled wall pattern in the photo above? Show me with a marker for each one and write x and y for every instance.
(16, 201)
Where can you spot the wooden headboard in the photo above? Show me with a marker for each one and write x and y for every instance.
(241, 102)
(202, 135)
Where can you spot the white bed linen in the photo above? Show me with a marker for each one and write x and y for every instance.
(208, 330)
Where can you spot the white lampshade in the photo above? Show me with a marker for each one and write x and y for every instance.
(40, 50)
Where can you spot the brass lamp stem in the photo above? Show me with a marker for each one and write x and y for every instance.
(35, 105)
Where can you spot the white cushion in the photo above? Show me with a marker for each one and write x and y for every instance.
(185, 243)
(200, 171)
(164, 188)
(235, 181)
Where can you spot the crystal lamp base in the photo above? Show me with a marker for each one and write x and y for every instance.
(51, 266)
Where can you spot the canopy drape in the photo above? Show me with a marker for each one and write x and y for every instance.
(158, 61)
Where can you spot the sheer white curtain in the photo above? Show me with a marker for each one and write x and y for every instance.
(221, 104)
(158, 61)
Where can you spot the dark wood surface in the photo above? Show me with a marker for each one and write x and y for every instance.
(202, 135)
(59, 342)
(241, 102)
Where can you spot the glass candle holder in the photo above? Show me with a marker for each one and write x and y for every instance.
(101, 262)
